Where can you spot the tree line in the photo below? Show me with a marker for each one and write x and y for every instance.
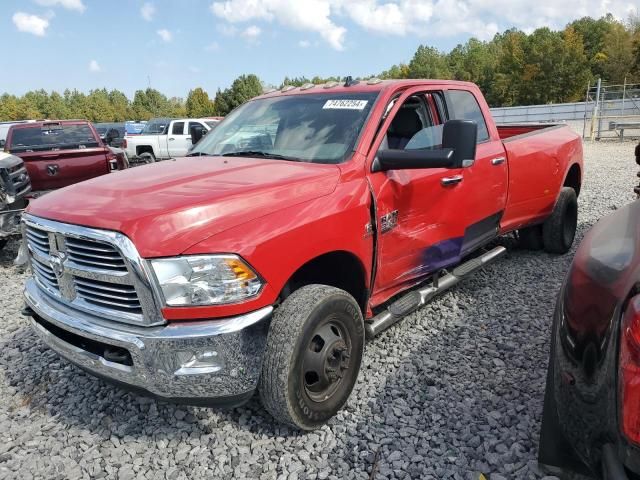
(513, 68)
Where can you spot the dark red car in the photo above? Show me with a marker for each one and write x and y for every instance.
(591, 419)
(61, 152)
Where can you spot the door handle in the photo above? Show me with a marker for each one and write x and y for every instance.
(171, 139)
(446, 181)
(498, 161)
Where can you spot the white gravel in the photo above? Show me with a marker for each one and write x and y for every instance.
(453, 390)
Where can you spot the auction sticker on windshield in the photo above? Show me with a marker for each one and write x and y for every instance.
(345, 104)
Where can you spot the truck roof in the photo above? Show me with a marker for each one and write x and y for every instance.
(371, 85)
(41, 123)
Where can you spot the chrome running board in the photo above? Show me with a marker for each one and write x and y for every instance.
(417, 298)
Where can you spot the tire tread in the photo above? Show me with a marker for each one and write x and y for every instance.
(286, 326)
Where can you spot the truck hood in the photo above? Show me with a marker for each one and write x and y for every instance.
(167, 207)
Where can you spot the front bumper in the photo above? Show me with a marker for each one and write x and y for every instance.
(160, 360)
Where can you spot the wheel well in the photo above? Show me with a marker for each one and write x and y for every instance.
(573, 178)
(339, 269)
(144, 149)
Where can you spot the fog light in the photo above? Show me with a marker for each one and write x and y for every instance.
(201, 363)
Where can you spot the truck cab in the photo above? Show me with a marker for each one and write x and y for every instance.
(164, 138)
(309, 220)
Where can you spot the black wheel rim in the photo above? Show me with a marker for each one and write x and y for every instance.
(570, 224)
(326, 360)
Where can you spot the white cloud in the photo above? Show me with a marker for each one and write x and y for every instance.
(252, 32)
(33, 24)
(304, 43)
(165, 35)
(212, 47)
(421, 18)
(305, 15)
(68, 4)
(147, 11)
(94, 66)
(193, 69)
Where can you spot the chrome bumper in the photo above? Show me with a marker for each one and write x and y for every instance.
(204, 362)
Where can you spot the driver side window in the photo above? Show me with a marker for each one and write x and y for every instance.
(413, 127)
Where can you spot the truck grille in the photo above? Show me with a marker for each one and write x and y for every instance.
(91, 274)
(45, 275)
(108, 295)
(94, 255)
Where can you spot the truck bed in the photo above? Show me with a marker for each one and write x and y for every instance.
(538, 155)
(509, 130)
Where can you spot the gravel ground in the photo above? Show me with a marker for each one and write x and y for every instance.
(453, 390)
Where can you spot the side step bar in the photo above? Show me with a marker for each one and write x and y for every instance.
(417, 298)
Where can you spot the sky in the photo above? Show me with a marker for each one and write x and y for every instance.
(175, 46)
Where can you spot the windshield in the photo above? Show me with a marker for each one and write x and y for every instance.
(155, 127)
(53, 136)
(103, 128)
(320, 128)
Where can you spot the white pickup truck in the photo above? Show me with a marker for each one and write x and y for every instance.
(165, 138)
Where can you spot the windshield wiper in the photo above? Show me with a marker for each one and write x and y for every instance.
(198, 154)
(258, 153)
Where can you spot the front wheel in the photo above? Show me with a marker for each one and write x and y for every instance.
(559, 230)
(3, 242)
(313, 354)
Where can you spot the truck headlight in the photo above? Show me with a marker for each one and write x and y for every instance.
(205, 280)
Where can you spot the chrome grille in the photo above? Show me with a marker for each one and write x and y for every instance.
(108, 295)
(44, 275)
(38, 240)
(96, 255)
(96, 271)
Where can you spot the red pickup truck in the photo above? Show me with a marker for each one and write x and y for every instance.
(309, 219)
(58, 153)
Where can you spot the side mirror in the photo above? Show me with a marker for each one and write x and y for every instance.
(111, 135)
(2, 142)
(197, 132)
(458, 150)
(462, 137)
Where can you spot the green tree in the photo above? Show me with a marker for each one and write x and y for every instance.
(620, 60)
(243, 88)
(398, 71)
(593, 33)
(198, 104)
(510, 62)
(120, 105)
(98, 106)
(475, 61)
(429, 62)
(57, 107)
(9, 107)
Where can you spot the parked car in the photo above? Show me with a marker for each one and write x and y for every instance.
(14, 188)
(113, 141)
(61, 152)
(591, 418)
(4, 129)
(307, 220)
(164, 138)
(134, 127)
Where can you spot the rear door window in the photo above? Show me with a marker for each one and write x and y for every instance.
(177, 128)
(462, 105)
(53, 137)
